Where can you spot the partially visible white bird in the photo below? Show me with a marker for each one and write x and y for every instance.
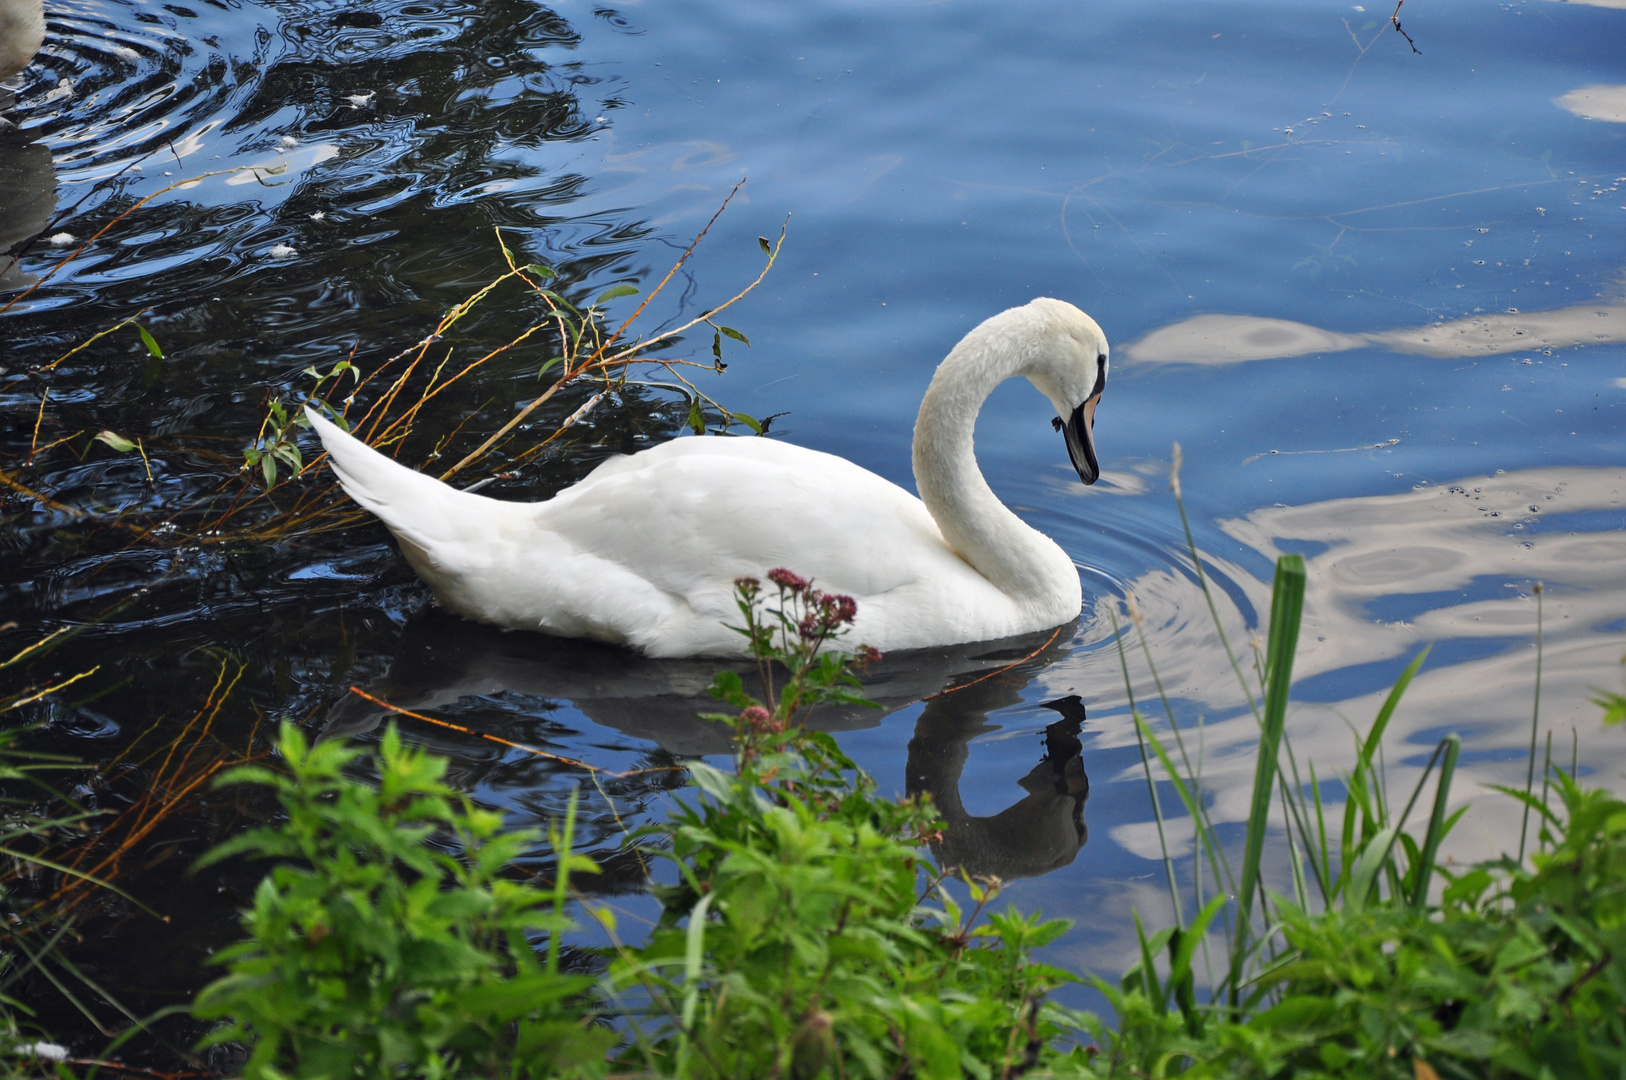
(644, 551)
(22, 32)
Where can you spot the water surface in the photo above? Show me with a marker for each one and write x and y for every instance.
(1375, 294)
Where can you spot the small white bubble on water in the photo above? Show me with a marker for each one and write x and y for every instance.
(281, 251)
(62, 239)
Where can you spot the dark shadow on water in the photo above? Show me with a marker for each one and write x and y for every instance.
(27, 200)
(443, 660)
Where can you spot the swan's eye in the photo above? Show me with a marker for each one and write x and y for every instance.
(1100, 374)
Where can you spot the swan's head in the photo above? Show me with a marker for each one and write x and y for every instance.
(1069, 365)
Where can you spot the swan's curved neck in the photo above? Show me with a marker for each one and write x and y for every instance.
(1022, 562)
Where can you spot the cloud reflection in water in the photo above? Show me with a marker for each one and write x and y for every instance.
(1452, 566)
(1216, 340)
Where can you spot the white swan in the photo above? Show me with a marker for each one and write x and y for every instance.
(22, 32)
(644, 551)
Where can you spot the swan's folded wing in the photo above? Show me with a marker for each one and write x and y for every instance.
(692, 515)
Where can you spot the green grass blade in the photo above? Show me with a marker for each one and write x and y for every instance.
(1369, 747)
(1286, 611)
(1146, 767)
(1293, 799)
(1202, 582)
(1535, 723)
(1216, 855)
(1364, 876)
(1148, 970)
(1436, 822)
(1324, 871)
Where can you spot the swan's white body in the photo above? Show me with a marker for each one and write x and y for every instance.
(22, 32)
(644, 551)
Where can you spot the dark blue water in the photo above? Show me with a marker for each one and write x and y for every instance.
(1375, 294)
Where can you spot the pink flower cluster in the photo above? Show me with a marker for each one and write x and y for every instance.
(761, 720)
(825, 614)
(822, 613)
(788, 581)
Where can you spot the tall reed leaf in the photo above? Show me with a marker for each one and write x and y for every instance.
(1436, 823)
(1286, 609)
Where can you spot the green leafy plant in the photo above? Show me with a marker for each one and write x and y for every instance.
(807, 933)
(276, 441)
(374, 951)
(1517, 971)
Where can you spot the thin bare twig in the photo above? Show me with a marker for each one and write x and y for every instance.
(1395, 19)
(597, 355)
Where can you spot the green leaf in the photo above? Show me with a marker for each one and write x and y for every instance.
(549, 366)
(290, 453)
(693, 955)
(268, 466)
(729, 331)
(1364, 874)
(117, 442)
(727, 686)
(762, 242)
(149, 342)
(749, 421)
(556, 298)
(540, 271)
(697, 423)
(614, 291)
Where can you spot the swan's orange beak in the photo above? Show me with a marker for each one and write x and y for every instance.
(1080, 432)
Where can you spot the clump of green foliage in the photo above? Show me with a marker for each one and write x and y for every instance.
(375, 948)
(1517, 971)
(806, 933)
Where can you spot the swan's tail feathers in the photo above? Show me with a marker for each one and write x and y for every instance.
(426, 515)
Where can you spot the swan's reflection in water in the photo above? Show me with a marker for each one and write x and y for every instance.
(517, 686)
(1042, 832)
